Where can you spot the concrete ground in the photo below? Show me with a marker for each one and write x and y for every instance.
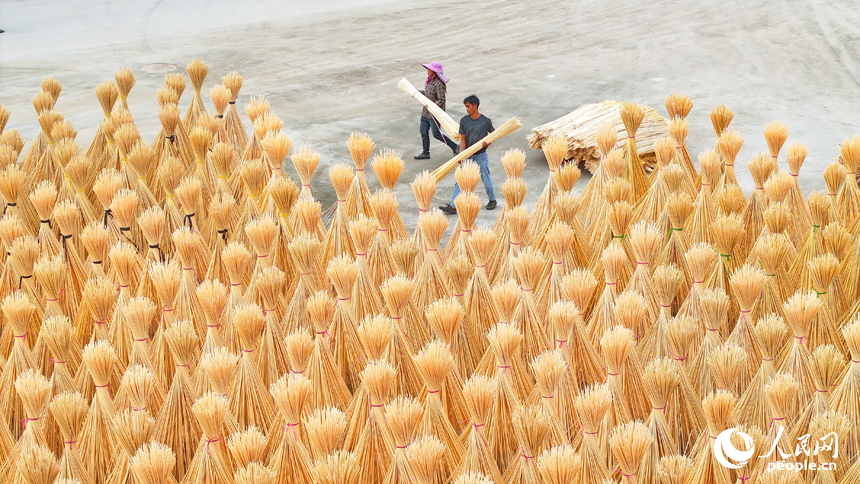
(331, 67)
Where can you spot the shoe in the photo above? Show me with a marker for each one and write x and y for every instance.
(491, 205)
(456, 150)
(422, 156)
(448, 209)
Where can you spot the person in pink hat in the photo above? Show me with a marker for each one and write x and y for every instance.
(435, 90)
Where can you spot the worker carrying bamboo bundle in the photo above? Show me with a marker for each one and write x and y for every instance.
(474, 126)
(435, 90)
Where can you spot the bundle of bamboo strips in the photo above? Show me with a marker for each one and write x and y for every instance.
(580, 127)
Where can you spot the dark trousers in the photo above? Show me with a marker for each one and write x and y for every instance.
(428, 124)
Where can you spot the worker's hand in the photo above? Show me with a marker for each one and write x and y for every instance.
(485, 145)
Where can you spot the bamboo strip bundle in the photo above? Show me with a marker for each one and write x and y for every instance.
(480, 307)
(666, 181)
(510, 126)
(444, 119)
(824, 327)
(37, 465)
(100, 360)
(479, 392)
(360, 147)
(700, 259)
(678, 208)
(531, 427)
(424, 457)
(182, 341)
(325, 428)
(211, 461)
(329, 387)
(18, 313)
(430, 279)
(555, 150)
(343, 272)
(403, 415)
(254, 473)
(760, 168)
(43, 198)
(661, 378)
(249, 399)
(613, 258)
(583, 364)
(559, 238)
(580, 127)
(666, 280)
(714, 304)
(628, 443)
(69, 410)
(153, 463)
(844, 397)
(376, 443)
(800, 310)
(632, 115)
(549, 368)
(197, 71)
(684, 410)
(530, 267)
(504, 340)
(435, 363)
(142, 159)
(233, 123)
(592, 405)
(517, 223)
(829, 364)
(699, 223)
(796, 155)
(291, 461)
(719, 410)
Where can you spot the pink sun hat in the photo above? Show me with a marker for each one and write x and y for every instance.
(437, 68)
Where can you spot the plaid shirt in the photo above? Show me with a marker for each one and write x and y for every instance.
(435, 91)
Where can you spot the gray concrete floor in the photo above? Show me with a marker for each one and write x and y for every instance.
(331, 67)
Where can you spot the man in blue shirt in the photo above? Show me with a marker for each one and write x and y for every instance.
(473, 128)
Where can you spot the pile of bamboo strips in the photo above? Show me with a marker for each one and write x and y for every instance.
(579, 128)
(177, 311)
